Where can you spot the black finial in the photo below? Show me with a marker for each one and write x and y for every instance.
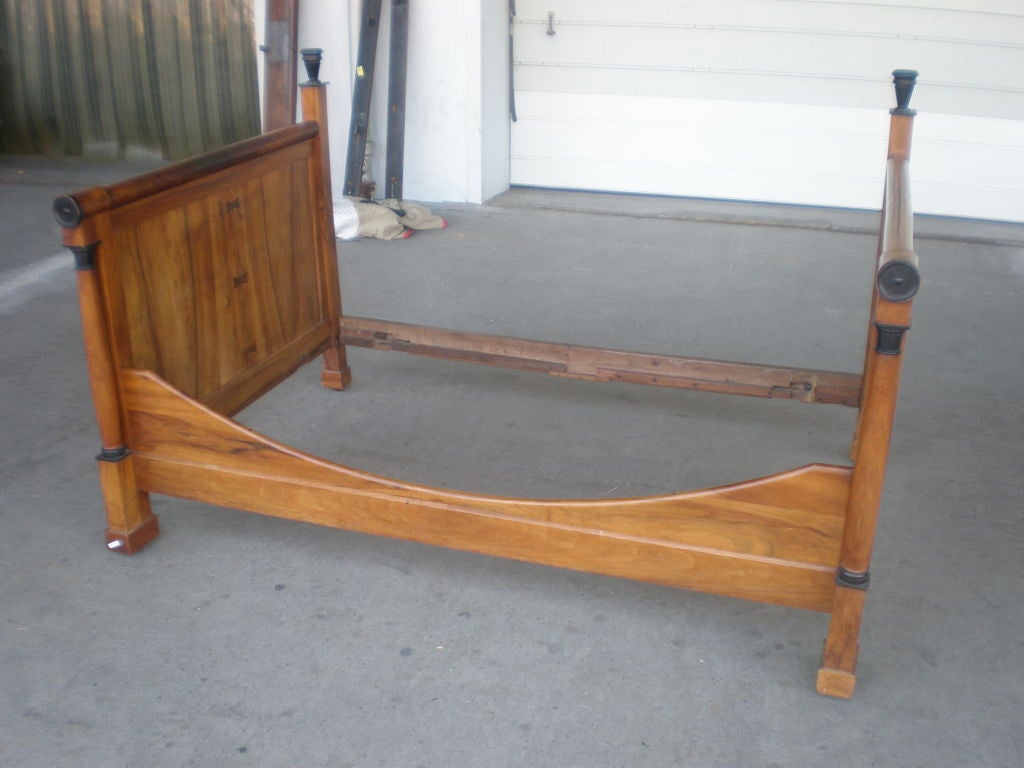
(311, 58)
(67, 211)
(898, 280)
(904, 79)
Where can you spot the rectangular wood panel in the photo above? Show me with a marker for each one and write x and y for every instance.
(290, 245)
(218, 281)
(168, 294)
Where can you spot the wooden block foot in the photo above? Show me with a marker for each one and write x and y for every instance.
(130, 542)
(335, 374)
(837, 675)
(834, 682)
(336, 379)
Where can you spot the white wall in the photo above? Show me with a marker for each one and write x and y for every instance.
(325, 24)
(457, 133)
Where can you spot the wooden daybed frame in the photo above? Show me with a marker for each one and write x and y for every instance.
(204, 284)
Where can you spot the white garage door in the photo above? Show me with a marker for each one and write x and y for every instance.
(773, 100)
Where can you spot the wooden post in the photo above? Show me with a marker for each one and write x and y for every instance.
(901, 123)
(336, 372)
(131, 523)
(896, 282)
(281, 67)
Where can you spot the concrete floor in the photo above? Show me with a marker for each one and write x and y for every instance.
(236, 640)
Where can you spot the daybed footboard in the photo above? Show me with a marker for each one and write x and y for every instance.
(773, 540)
(204, 284)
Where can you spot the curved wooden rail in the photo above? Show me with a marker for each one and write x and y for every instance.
(774, 539)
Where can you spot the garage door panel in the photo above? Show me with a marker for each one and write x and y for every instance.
(718, 114)
(771, 96)
(969, 166)
(699, 147)
(867, 17)
(757, 149)
(832, 69)
(793, 88)
(716, 183)
(701, 84)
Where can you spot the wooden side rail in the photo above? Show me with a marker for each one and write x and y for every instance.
(595, 364)
(773, 540)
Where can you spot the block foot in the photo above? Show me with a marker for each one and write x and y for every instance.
(335, 374)
(128, 543)
(836, 676)
(336, 379)
(834, 682)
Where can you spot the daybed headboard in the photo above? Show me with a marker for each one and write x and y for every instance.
(219, 273)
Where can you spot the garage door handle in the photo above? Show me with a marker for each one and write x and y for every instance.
(551, 22)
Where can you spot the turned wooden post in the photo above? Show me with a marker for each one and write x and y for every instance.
(896, 282)
(131, 523)
(336, 372)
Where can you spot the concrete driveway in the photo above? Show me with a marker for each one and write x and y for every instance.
(236, 640)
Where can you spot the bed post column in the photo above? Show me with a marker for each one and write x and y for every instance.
(336, 372)
(131, 523)
(896, 282)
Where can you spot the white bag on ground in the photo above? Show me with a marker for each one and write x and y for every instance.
(346, 220)
(385, 220)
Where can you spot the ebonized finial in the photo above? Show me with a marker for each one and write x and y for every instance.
(67, 211)
(898, 280)
(904, 80)
(311, 57)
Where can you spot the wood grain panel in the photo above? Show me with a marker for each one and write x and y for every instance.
(244, 246)
(167, 296)
(124, 285)
(712, 571)
(217, 283)
(248, 156)
(253, 382)
(223, 179)
(215, 357)
(291, 245)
